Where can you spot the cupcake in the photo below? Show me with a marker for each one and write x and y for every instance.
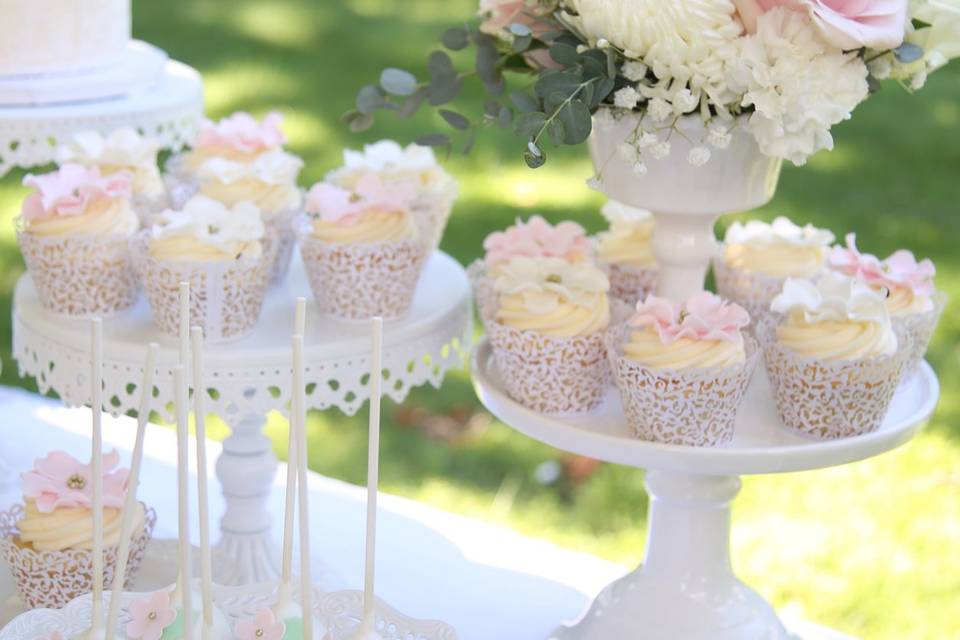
(832, 356)
(226, 256)
(547, 333)
(47, 541)
(757, 257)
(436, 190)
(682, 368)
(913, 302)
(626, 253)
(74, 231)
(241, 160)
(362, 248)
(535, 238)
(124, 149)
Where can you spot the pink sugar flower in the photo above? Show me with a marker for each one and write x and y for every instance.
(845, 24)
(61, 481)
(150, 616)
(537, 238)
(900, 269)
(333, 203)
(71, 189)
(703, 316)
(243, 133)
(264, 626)
(53, 635)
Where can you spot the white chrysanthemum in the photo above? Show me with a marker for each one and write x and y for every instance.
(686, 41)
(798, 85)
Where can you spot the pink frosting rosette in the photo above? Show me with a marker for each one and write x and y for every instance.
(60, 481)
(332, 203)
(704, 316)
(900, 269)
(537, 238)
(70, 190)
(242, 132)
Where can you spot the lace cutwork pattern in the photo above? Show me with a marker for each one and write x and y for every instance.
(630, 283)
(81, 275)
(920, 327)
(692, 407)
(830, 400)
(360, 281)
(752, 291)
(54, 578)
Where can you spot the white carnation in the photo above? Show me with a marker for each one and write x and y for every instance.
(799, 86)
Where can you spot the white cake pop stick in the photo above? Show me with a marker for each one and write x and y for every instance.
(367, 628)
(133, 480)
(199, 411)
(183, 594)
(184, 332)
(299, 425)
(96, 475)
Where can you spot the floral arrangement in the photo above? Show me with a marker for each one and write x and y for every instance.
(785, 70)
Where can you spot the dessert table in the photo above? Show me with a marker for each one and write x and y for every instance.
(487, 581)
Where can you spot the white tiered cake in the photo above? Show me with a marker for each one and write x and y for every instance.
(54, 36)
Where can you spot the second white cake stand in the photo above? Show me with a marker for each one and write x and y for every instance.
(686, 587)
(250, 377)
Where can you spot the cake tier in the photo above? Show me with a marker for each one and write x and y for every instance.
(62, 35)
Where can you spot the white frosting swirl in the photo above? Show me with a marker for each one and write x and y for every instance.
(205, 230)
(268, 181)
(778, 249)
(123, 149)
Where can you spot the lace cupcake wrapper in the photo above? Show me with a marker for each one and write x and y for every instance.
(51, 579)
(752, 291)
(432, 212)
(630, 283)
(691, 407)
(483, 293)
(920, 327)
(225, 297)
(360, 281)
(284, 226)
(81, 275)
(831, 400)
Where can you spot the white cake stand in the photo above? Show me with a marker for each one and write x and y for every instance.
(250, 377)
(685, 588)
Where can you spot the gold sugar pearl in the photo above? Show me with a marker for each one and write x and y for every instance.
(152, 615)
(76, 482)
(554, 278)
(259, 633)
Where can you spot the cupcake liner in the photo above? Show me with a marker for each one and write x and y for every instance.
(630, 283)
(225, 297)
(81, 275)
(483, 291)
(283, 225)
(691, 407)
(51, 579)
(432, 211)
(752, 291)
(831, 400)
(360, 281)
(920, 328)
(550, 374)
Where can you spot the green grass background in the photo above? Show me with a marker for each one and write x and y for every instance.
(871, 548)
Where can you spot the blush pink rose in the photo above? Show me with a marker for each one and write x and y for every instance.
(900, 270)
(71, 189)
(846, 24)
(703, 316)
(537, 238)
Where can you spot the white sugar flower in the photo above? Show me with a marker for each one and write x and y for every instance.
(798, 85)
(634, 71)
(698, 156)
(626, 98)
(660, 150)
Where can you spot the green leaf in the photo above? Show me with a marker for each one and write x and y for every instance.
(486, 63)
(433, 140)
(594, 64)
(534, 156)
(440, 64)
(873, 85)
(398, 82)
(524, 102)
(908, 52)
(357, 121)
(505, 117)
(520, 29)
(555, 131)
(564, 81)
(455, 39)
(468, 143)
(412, 103)
(522, 43)
(529, 124)
(496, 88)
(369, 99)
(920, 24)
(454, 119)
(575, 116)
(443, 89)
(601, 89)
(554, 100)
(564, 54)
(491, 108)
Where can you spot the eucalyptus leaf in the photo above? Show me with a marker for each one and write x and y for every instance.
(554, 100)
(524, 102)
(594, 64)
(577, 124)
(529, 124)
(359, 121)
(455, 39)
(920, 24)
(398, 82)
(443, 89)
(555, 131)
(505, 117)
(520, 29)
(369, 99)
(454, 119)
(412, 104)
(534, 156)
(564, 81)
(908, 52)
(491, 108)
(486, 63)
(496, 88)
(433, 140)
(522, 43)
(468, 143)
(601, 89)
(440, 64)
(873, 85)
(565, 54)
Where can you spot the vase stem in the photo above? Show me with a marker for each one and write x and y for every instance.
(683, 245)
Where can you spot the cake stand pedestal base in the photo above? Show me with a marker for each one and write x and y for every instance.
(685, 587)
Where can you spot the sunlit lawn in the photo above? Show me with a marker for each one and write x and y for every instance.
(871, 548)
